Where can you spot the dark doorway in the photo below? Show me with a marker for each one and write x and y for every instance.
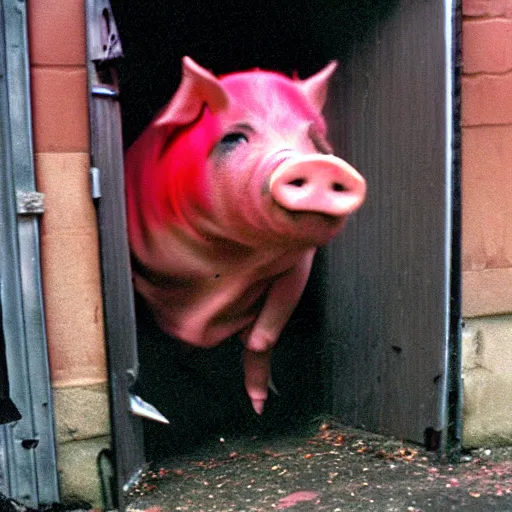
(227, 36)
(371, 339)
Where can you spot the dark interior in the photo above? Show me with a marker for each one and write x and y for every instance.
(8, 411)
(201, 391)
(225, 36)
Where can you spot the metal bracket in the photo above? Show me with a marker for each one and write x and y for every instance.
(104, 41)
(29, 203)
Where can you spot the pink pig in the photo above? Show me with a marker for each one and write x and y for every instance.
(230, 190)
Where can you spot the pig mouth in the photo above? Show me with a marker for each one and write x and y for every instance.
(298, 216)
(308, 227)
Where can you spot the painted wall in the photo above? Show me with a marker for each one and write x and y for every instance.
(487, 220)
(69, 241)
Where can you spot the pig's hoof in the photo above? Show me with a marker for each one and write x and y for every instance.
(258, 405)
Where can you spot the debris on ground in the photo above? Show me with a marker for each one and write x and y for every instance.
(337, 469)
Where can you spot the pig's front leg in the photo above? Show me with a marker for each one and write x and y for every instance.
(259, 341)
(257, 376)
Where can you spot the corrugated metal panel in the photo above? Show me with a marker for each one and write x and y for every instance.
(28, 443)
(388, 303)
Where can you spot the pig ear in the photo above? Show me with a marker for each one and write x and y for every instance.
(197, 87)
(315, 87)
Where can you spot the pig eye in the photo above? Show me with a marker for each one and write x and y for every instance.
(231, 140)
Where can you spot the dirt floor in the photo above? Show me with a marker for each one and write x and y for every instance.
(334, 469)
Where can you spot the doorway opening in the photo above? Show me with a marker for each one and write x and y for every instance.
(299, 37)
(369, 342)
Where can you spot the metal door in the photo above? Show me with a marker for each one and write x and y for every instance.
(104, 48)
(393, 301)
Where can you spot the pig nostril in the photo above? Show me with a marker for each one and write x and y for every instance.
(298, 182)
(338, 187)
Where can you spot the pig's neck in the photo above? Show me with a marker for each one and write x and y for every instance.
(181, 248)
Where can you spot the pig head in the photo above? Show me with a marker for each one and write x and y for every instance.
(230, 190)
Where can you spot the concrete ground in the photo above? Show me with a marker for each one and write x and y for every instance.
(335, 469)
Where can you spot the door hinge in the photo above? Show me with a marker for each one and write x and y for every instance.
(95, 182)
(29, 203)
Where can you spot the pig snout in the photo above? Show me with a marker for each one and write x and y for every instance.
(317, 184)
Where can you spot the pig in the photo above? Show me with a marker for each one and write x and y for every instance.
(230, 190)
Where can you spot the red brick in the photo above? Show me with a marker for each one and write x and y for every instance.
(487, 8)
(487, 46)
(487, 197)
(60, 109)
(487, 99)
(57, 32)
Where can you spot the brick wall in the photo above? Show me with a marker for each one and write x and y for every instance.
(71, 276)
(69, 243)
(487, 157)
(487, 221)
